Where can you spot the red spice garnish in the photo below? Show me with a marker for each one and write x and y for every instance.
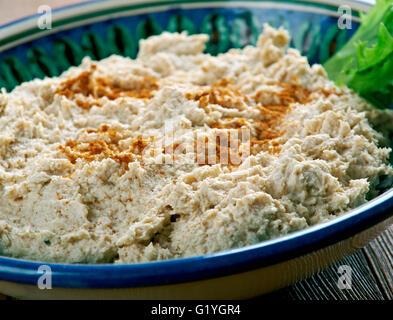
(84, 84)
(106, 146)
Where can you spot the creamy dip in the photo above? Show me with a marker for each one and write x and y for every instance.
(178, 153)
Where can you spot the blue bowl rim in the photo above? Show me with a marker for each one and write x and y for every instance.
(359, 5)
(90, 2)
(203, 267)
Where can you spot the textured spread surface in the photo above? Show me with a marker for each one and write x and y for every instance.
(110, 162)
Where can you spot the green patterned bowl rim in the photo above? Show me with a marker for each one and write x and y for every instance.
(71, 37)
(25, 29)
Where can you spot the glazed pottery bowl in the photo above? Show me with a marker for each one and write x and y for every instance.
(98, 29)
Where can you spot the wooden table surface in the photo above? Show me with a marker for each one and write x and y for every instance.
(372, 266)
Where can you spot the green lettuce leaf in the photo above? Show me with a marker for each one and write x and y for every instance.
(365, 63)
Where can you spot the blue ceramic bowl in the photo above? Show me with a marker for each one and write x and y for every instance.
(101, 28)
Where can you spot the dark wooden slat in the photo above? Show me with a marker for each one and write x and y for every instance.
(323, 286)
(380, 255)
